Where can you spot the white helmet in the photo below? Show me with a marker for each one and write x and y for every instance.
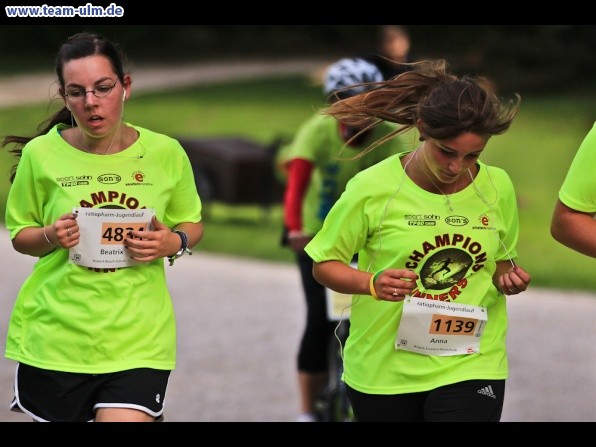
(348, 72)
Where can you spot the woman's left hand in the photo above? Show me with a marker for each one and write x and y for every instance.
(145, 246)
(513, 281)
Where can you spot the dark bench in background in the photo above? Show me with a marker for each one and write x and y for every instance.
(234, 170)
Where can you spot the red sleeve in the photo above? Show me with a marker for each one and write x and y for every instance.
(299, 173)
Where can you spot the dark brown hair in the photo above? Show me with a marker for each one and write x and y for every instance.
(76, 47)
(440, 103)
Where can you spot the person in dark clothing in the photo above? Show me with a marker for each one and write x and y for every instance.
(393, 50)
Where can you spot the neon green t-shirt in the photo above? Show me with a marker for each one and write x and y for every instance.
(392, 223)
(579, 187)
(318, 141)
(78, 319)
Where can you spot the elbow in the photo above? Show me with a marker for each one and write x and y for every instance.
(316, 273)
(562, 222)
(554, 232)
(557, 230)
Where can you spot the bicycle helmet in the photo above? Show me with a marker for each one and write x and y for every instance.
(349, 72)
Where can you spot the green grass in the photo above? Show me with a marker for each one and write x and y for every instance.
(536, 152)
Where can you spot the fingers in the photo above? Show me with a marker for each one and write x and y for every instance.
(515, 281)
(395, 285)
(158, 225)
(66, 230)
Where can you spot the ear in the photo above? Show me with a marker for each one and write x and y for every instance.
(418, 125)
(126, 86)
(61, 92)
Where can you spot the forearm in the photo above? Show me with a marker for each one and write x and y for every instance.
(574, 229)
(298, 180)
(32, 241)
(386, 285)
(194, 233)
(341, 277)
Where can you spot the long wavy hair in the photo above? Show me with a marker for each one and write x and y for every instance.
(441, 104)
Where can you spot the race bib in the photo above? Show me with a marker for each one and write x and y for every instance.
(338, 305)
(440, 328)
(103, 232)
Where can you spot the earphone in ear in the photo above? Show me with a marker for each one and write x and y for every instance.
(123, 96)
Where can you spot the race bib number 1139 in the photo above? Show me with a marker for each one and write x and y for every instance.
(440, 328)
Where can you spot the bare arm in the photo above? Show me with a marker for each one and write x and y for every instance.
(64, 233)
(574, 229)
(194, 231)
(390, 285)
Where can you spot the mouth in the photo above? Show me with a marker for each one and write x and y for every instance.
(448, 179)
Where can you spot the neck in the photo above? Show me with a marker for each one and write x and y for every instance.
(435, 187)
(425, 176)
(96, 150)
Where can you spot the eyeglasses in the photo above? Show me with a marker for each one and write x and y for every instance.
(101, 91)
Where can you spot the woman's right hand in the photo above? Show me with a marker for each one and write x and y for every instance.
(39, 241)
(65, 231)
(395, 284)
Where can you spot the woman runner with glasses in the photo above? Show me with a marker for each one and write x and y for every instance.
(95, 342)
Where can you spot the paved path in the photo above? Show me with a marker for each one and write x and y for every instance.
(239, 322)
(32, 88)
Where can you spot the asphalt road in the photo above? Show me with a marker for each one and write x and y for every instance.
(239, 322)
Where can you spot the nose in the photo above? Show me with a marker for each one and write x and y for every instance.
(455, 166)
(90, 97)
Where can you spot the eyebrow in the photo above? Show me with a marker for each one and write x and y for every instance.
(447, 148)
(99, 81)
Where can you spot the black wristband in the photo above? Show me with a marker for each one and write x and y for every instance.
(183, 248)
(183, 238)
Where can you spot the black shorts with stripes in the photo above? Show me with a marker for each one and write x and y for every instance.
(57, 396)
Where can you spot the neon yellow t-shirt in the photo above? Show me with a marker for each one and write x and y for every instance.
(318, 141)
(78, 319)
(392, 223)
(579, 187)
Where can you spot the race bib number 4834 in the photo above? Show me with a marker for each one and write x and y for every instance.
(103, 232)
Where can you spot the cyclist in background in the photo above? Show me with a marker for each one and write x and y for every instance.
(323, 156)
